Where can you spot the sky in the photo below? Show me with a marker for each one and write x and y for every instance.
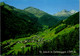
(49, 6)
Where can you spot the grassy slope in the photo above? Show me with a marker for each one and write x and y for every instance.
(63, 37)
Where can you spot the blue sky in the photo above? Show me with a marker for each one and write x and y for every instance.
(49, 6)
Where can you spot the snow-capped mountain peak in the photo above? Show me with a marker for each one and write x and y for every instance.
(73, 11)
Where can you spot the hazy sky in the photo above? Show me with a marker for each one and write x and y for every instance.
(49, 6)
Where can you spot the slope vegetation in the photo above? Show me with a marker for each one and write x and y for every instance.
(15, 23)
(64, 37)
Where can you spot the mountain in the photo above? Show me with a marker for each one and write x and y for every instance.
(15, 23)
(35, 11)
(63, 38)
(73, 11)
(22, 34)
(43, 17)
(72, 20)
(64, 14)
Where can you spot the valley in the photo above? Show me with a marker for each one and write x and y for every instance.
(29, 31)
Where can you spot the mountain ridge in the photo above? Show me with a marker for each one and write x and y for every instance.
(64, 11)
(43, 17)
(64, 14)
(35, 11)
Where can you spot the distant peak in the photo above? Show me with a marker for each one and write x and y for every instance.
(30, 7)
(73, 11)
(64, 10)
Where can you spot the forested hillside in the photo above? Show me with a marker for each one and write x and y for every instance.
(15, 23)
